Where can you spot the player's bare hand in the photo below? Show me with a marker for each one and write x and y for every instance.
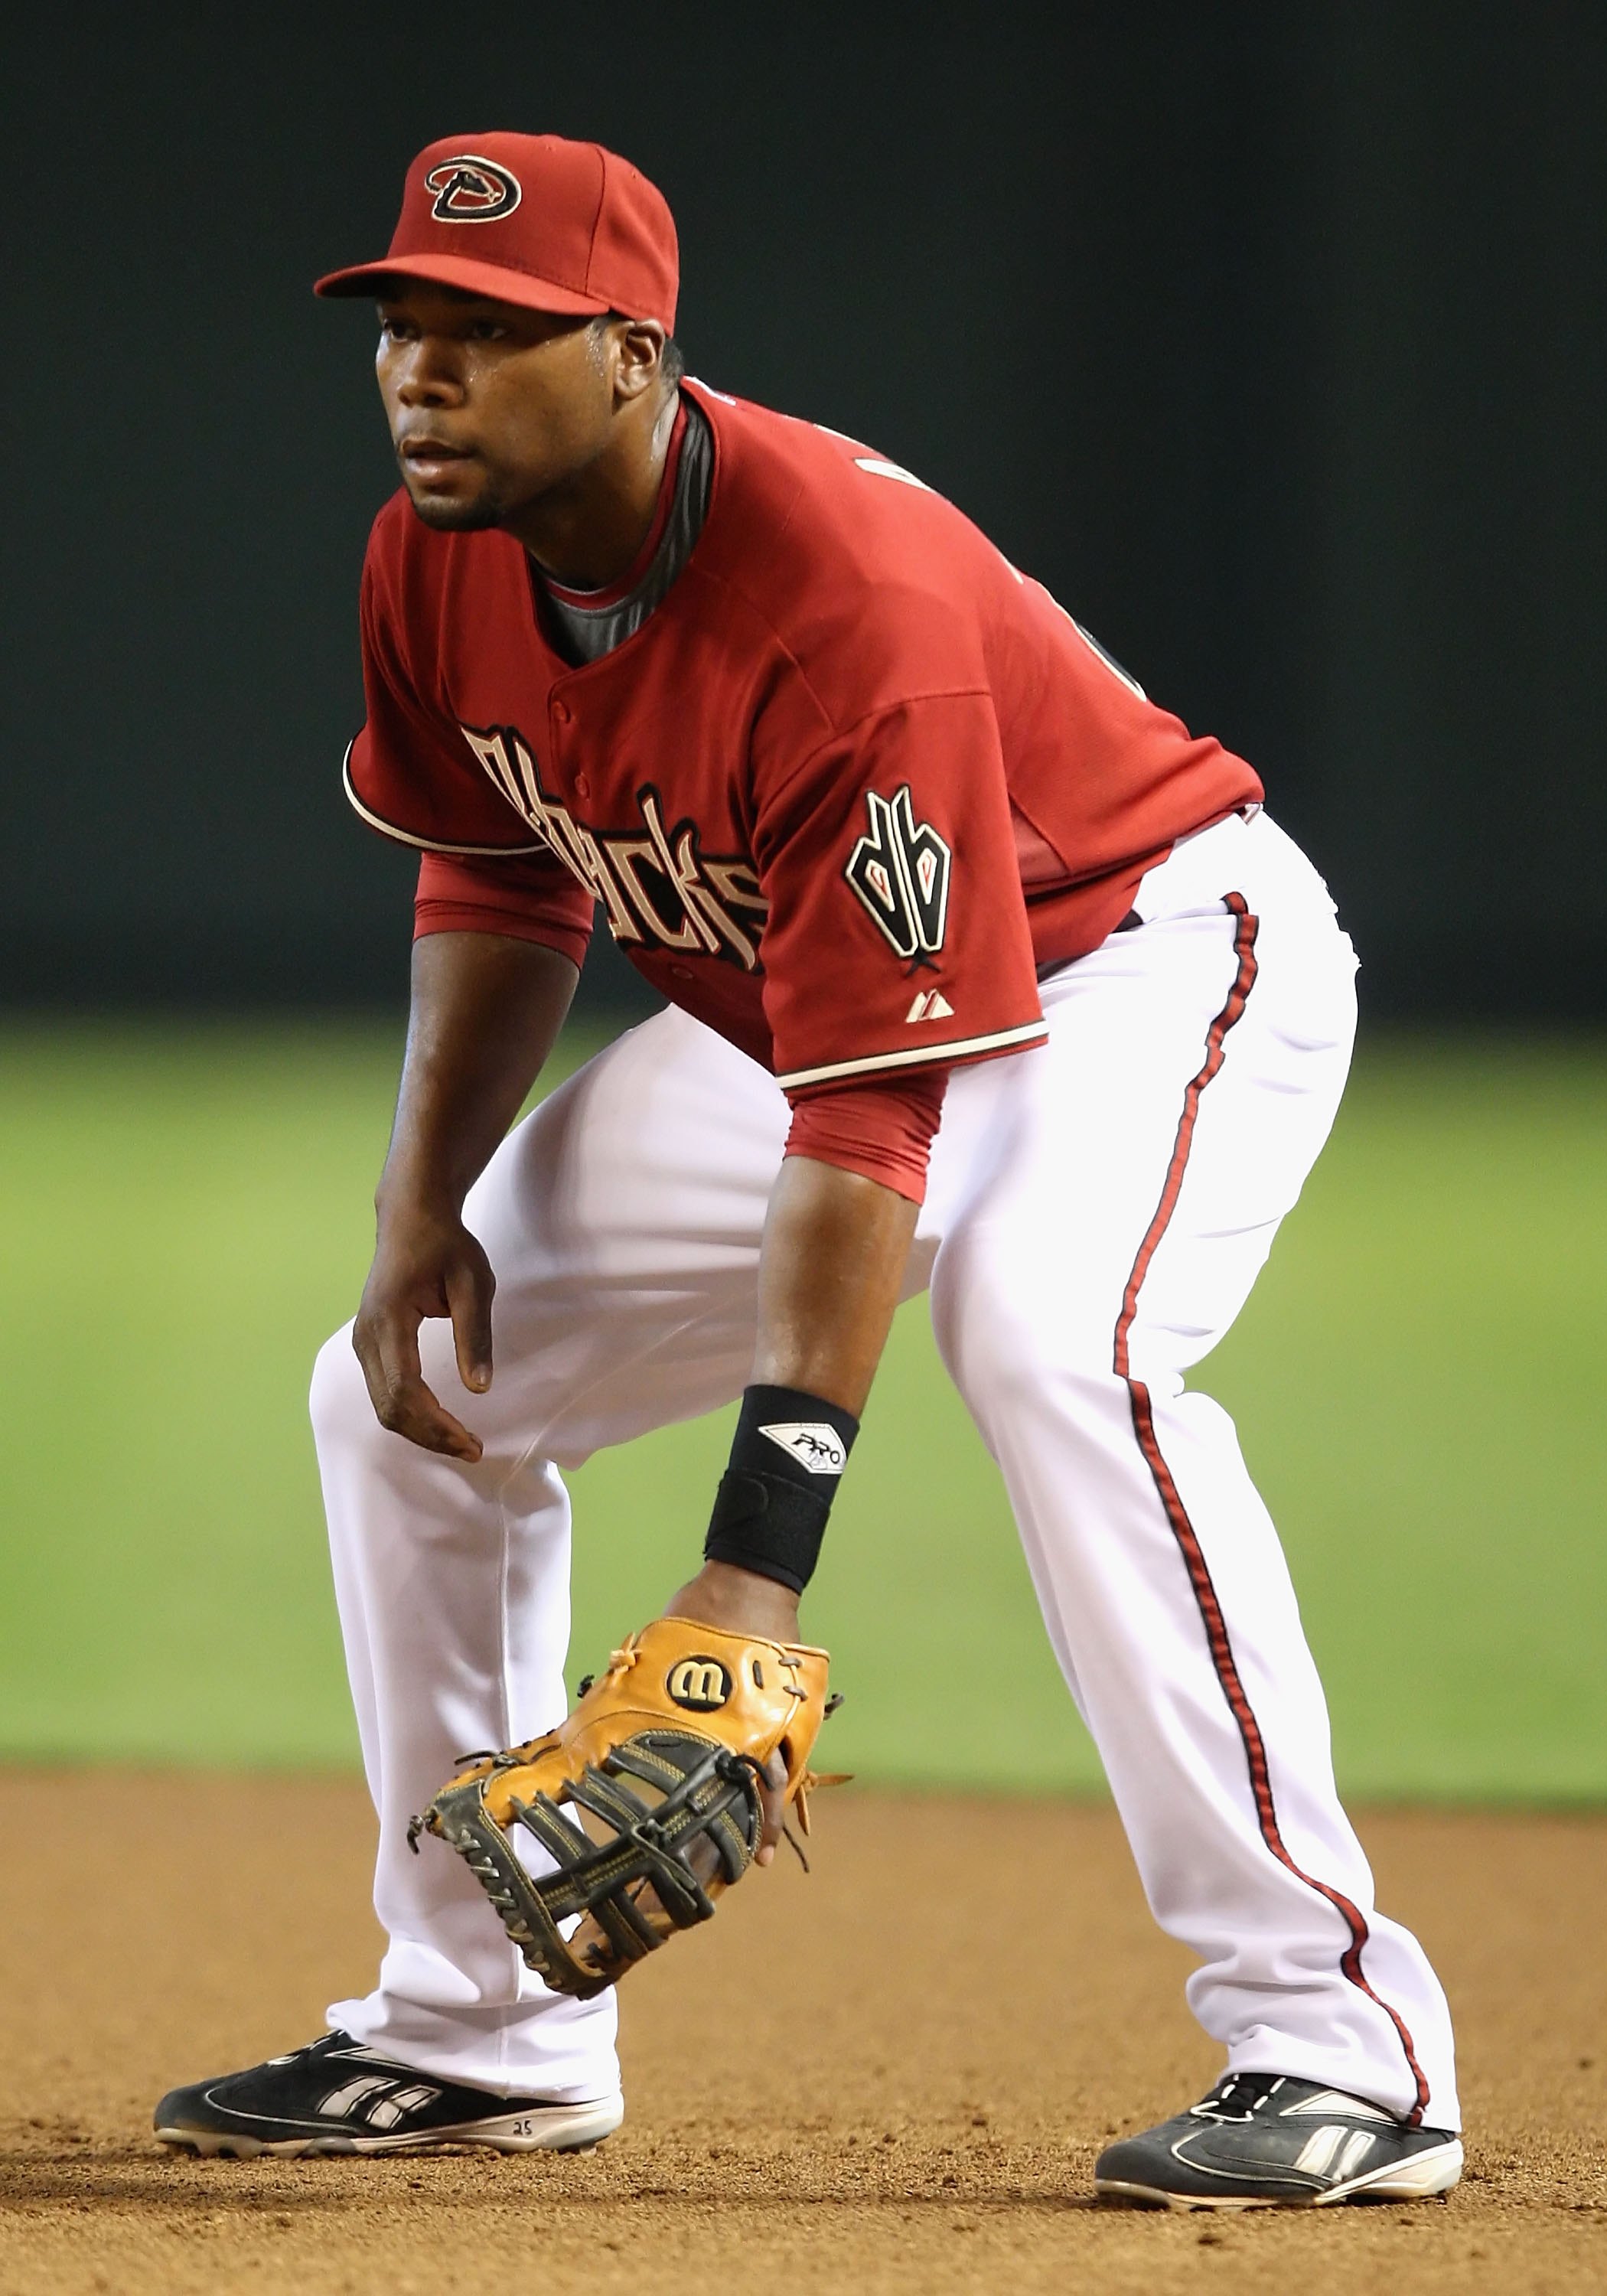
(743, 1604)
(772, 1798)
(425, 1265)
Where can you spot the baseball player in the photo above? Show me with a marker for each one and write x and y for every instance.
(983, 976)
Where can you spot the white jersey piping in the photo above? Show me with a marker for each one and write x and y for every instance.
(1029, 1032)
(405, 837)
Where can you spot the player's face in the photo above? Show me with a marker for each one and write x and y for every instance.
(490, 407)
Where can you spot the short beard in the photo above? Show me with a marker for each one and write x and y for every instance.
(474, 517)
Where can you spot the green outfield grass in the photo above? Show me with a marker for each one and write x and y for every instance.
(1418, 1381)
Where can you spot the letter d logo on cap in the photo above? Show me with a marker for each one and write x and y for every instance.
(469, 189)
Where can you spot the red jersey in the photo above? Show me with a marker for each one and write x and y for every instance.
(851, 785)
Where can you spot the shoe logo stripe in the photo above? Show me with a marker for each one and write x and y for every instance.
(385, 2112)
(386, 2101)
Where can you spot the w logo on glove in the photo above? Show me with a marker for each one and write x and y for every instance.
(699, 1684)
(901, 871)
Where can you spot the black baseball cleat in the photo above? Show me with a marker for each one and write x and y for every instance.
(337, 2097)
(1266, 2141)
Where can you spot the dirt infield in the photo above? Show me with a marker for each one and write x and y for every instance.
(827, 2089)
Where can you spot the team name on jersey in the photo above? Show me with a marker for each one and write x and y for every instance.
(657, 886)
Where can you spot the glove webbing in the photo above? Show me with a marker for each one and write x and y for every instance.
(705, 1788)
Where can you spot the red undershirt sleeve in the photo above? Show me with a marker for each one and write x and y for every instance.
(521, 895)
(883, 1130)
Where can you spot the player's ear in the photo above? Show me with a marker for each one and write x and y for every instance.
(638, 351)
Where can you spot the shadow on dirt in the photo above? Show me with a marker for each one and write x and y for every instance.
(265, 2191)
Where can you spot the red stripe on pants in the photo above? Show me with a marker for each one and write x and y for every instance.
(1183, 1530)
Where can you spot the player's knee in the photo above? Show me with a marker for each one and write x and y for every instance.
(339, 1401)
(1009, 1350)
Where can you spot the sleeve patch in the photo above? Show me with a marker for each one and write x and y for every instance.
(900, 871)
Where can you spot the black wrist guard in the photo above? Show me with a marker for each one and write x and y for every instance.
(787, 1456)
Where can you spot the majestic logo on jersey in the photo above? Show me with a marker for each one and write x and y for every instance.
(901, 871)
(701, 1684)
(931, 1005)
(657, 889)
(471, 190)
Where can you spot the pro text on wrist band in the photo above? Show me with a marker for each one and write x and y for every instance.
(787, 1457)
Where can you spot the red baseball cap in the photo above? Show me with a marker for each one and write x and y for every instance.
(535, 220)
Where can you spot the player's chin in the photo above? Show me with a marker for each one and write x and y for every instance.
(455, 509)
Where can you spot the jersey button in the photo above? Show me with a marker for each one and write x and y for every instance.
(583, 788)
(681, 972)
(561, 713)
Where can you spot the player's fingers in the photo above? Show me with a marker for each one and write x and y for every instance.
(385, 1340)
(413, 1410)
(388, 1350)
(772, 1797)
(469, 1289)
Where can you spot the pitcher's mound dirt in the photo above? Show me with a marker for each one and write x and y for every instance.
(892, 2075)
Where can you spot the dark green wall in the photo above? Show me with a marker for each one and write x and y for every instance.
(1271, 338)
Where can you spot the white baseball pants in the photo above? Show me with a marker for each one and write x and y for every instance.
(1098, 1210)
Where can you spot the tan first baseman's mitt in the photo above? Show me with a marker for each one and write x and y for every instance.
(647, 1799)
